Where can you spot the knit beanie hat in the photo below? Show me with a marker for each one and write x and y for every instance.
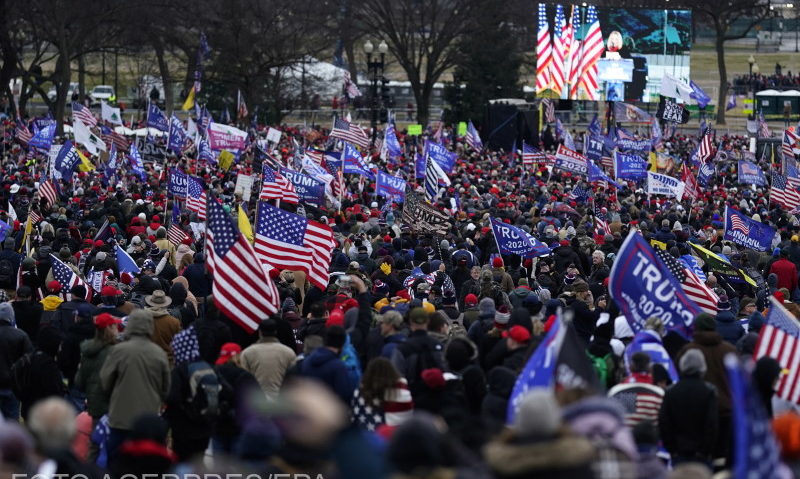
(501, 317)
(693, 362)
(486, 307)
(538, 415)
(705, 322)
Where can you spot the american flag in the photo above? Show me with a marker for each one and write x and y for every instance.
(285, 240)
(241, 106)
(175, 234)
(592, 51)
(560, 47)
(640, 402)
(788, 144)
(549, 109)
(783, 193)
(83, 114)
(693, 286)
(544, 51)
(473, 138)
(706, 148)
(346, 131)
(67, 278)
(196, 198)
(600, 223)
(23, 134)
(691, 190)
(34, 217)
(111, 137)
(575, 52)
(608, 163)
(738, 224)
(349, 87)
(433, 173)
(316, 155)
(241, 285)
(792, 174)
(275, 186)
(49, 192)
(756, 450)
(778, 339)
(530, 155)
(580, 193)
(763, 129)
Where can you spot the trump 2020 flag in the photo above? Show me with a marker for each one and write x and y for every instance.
(125, 262)
(628, 166)
(156, 118)
(43, 138)
(512, 240)
(642, 286)
(177, 135)
(745, 231)
(596, 174)
(390, 142)
(66, 160)
(178, 183)
(572, 161)
(751, 174)
(390, 186)
(445, 158)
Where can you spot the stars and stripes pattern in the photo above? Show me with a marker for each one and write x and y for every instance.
(176, 235)
(792, 174)
(67, 278)
(196, 198)
(580, 193)
(285, 240)
(575, 52)
(22, 133)
(781, 192)
(347, 131)
(788, 144)
(186, 346)
(49, 192)
(738, 224)
(592, 51)
(275, 186)
(433, 173)
(763, 129)
(694, 288)
(560, 47)
(706, 148)
(241, 285)
(34, 216)
(549, 110)
(600, 222)
(755, 448)
(111, 137)
(83, 114)
(778, 339)
(473, 138)
(691, 190)
(531, 155)
(544, 51)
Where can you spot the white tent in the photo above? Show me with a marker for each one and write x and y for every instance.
(124, 130)
(145, 131)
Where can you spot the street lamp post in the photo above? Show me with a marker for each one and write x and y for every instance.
(751, 61)
(375, 69)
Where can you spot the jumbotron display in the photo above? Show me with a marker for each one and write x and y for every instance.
(593, 53)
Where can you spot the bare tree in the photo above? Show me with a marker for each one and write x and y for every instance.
(721, 15)
(422, 36)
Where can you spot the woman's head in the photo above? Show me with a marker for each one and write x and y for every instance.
(379, 377)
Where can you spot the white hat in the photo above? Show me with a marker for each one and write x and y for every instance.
(374, 204)
(14, 188)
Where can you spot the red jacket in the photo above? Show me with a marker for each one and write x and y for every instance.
(787, 274)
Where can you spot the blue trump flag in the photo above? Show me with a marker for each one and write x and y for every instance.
(755, 449)
(594, 126)
(156, 118)
(137, 165)
(178, 183)
(745, 231)
(66, 160)
(390, 186)
(309, 190)
(353, 161)
(4, 229)
(512, 240)
(125, 262)
(204, 151)
(43, 138)
(629, 166)
(705, 173)
(441, 155)
(390, 140)
(751, 174)
(699, 95)
(594, 147)
(419, 164)
(177, 136)
(643, 286)
(596, 174)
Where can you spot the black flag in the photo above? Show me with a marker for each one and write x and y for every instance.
(669, 110)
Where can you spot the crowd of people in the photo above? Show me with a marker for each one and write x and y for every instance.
(780, 80)
(405, 364)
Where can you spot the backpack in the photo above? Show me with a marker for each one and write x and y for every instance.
(6, 273)
(603, 366)
(420, 357)
(204, 391)
(21, 375)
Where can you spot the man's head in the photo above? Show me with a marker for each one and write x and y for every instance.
(268, 328)
(418, 319)
(517, 337)
(438, 323)
(391, 322)
(475, 272)
(692, 363)
(641, 363)
(52, 423)
(318, 310)
(335, 337)
(78, 292)
(24, 293)
(598, 257)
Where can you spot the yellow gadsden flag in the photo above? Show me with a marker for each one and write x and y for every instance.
(85, 165)
(244, 225)
(189, 103)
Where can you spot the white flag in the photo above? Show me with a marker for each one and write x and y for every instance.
(85, 137)
(658, 184)
(110, 114)
(191, 127)
(12, 213)
(674, 88)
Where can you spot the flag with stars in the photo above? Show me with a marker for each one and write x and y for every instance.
(186, 346)
(288, 241)
(196, 198)
(175, 234)
(275, 186)
(754, 446)
(600, 223)
(580, 193)
(67, 278)
(692, 285)
(473, 138)
(778, 339)
(241, 285)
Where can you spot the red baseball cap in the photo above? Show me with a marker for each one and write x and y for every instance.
(109, 291)
(54, 286)
(104, 320)
(518, 334)
(228, 351)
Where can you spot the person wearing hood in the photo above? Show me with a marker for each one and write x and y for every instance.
(520, 293)
(500, 276)
(727, 325)
(87, 380)
(14, 343)
(198, 278)
(564, 256)
(27, 312)
(461, 358)
(688, 418)
(136, 375)
(538, 445)
(765, 379)
(494, 407)
(50, 303)
(326, 366)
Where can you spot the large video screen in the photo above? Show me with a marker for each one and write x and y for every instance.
(599, 53)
